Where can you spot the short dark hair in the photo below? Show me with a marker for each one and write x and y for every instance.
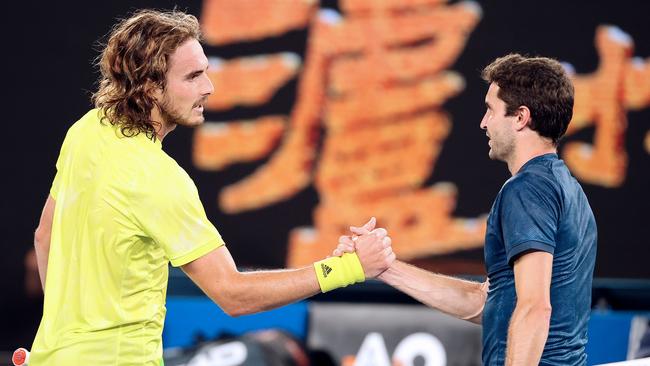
(539, 83)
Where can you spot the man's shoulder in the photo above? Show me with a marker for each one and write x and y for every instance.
(82, 125)
(530, 179)
(532, 185)
(161, 170)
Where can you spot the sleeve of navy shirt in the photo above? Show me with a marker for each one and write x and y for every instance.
(530, 211)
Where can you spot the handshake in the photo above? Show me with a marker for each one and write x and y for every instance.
(367, 253)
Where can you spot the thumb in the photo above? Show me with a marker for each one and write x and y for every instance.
(366, 228)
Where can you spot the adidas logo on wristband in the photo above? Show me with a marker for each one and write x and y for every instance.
(326, 269)
(348, 271)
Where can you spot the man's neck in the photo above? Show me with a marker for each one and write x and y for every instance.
(527, 150)
(163, 128)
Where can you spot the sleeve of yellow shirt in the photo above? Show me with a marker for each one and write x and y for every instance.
(171, 213)
(56, 183)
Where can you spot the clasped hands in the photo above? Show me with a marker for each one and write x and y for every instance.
(372, 245)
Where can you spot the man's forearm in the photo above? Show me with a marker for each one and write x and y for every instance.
(527, 334)
(264, 290)
(42, 238)
(239, 293)
(460, 298)
(42, 250)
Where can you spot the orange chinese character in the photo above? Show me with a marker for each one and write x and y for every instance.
(602, 100)
(373, 82)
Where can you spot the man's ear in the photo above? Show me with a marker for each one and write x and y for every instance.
(155, 90)
(523, 117)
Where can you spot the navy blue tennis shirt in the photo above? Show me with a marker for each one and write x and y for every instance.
(541, 208)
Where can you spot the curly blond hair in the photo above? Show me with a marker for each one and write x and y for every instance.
(134, 62)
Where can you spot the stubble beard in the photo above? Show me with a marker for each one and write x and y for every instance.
(172, 118)
(503, 150)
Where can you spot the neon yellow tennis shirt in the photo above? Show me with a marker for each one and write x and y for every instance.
(124, 210)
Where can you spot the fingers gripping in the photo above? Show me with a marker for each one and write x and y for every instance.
(386, 241)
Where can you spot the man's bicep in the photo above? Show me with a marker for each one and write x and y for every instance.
(42, 237)
(212, 270)
(47, 216)
(533, 271)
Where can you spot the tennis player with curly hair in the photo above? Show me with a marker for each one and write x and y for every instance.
(120, 210)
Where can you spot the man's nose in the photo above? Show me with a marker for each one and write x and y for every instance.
(208, 88)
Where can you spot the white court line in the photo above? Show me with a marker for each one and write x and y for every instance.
(639, 362)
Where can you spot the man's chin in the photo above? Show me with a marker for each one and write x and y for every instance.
(491, 155)
(194, 122)
(198, 121)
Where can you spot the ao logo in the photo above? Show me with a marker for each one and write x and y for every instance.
(373, 351)
(228, 354)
